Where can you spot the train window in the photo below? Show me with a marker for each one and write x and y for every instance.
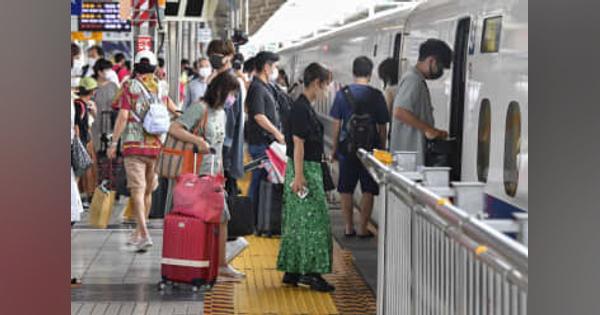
(490, 41)
(483, 140)
(512, 148)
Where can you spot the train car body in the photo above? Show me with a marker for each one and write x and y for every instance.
(482, 100)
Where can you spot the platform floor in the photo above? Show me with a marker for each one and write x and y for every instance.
(119, 281)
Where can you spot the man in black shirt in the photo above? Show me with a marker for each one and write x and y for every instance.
(263, 118)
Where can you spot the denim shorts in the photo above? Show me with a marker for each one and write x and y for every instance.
(352, 171)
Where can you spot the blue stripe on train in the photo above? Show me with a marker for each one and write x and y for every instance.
(498, 209)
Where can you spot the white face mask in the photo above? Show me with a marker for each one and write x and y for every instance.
(205, 72)
(92, 61)
(274, 74)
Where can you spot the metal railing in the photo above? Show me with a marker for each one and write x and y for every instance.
(434, 258)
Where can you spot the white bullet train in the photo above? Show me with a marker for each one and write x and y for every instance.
(482, 100)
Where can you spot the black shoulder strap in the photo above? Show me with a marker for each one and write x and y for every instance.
(350, 98)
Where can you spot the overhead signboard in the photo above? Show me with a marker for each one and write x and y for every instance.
(102, 17)
(76, 7)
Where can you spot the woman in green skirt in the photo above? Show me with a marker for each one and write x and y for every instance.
(306, 243)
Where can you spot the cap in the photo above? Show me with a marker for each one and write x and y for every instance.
(88, 83)
(146, 54)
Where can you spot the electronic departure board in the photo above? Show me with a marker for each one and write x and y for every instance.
(102, 17)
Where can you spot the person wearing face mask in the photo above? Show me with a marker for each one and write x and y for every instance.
(367, 100)
(263, 125)
(306, 242)
(93, 54)
(413, 113)
(104, 96)
(220, 93)
(76, 66)
(196, 88)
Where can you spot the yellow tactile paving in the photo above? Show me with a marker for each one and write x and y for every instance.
(263, 293)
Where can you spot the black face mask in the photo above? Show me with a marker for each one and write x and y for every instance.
(216, 61)
(438, 73)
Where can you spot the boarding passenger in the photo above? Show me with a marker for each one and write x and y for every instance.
(76, 205)
(197, 86)
(413, 113)
(306, 244)
(282, 80)
(93, 54)
(120, 68)
(105, 94)
(139, 148)
(249, 69)
(85, 113)
(76, 65)
(263, 118)
(221, 92)
(372, 102)
(388, 73)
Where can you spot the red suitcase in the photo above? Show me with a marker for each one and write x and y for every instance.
(190, 251)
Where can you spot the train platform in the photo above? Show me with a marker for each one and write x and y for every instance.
(117, 280)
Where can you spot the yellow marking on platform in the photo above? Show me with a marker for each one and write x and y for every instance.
(263, 292)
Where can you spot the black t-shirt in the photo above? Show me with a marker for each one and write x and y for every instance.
(260, 100)
(305, 124)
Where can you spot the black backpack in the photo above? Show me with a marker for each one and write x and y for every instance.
(360, 128)
(284, 106)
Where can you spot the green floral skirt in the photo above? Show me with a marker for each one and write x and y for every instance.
(306, 244)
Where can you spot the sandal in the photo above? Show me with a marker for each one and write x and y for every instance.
(367, 235)
(351, 234)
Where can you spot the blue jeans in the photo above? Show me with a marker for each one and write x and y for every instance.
(256, 151)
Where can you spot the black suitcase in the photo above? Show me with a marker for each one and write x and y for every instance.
(270, 201)
(242, 217)
(160, 196)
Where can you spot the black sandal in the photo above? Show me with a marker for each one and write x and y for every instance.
(353, 234)
(368, 235)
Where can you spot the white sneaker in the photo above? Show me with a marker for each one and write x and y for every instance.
(144, 243)
(230, 272)
(235, 248)
(133, 238)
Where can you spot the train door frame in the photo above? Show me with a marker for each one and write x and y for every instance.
(457, 98)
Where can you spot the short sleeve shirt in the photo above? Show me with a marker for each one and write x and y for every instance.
(214, 133)
(412, 95)
(305, 125)
(260, 100)
(364, 95)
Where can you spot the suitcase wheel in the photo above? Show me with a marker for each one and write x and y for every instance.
(162, 285)
(195, 289)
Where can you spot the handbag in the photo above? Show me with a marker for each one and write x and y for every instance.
(440, 152)
(201, 197)
(80, 159)
(328, 184)
(176, 156)
(101, 206)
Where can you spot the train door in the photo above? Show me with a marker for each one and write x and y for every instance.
(457, 104)
(397, 46)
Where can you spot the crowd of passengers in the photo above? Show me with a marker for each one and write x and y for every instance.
(238, 98)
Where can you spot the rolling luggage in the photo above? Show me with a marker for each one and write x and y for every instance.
(242, 217)
(270, 199)
(159, 199)
(190, 251)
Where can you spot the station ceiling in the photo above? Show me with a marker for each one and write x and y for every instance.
(260, 12)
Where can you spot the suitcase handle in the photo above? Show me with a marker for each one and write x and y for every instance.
(213, 153)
